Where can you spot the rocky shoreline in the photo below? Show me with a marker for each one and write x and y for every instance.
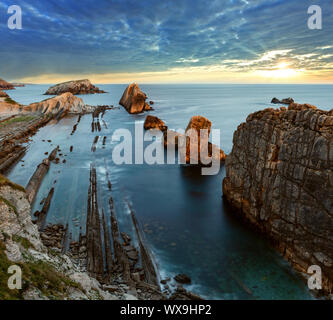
(278, 177)
(95, 270)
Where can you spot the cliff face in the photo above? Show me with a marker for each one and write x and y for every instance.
(279, 175)
(74, 87)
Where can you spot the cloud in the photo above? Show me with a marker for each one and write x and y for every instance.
(69, 37)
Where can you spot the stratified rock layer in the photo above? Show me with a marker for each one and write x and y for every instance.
(280, 176)
(63, 104)
(74, 87)
(134, 100)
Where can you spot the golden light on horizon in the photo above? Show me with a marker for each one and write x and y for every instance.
(281, 71)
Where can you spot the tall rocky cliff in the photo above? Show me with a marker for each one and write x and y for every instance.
(279, 176)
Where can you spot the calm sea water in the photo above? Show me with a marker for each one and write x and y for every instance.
(182, 213)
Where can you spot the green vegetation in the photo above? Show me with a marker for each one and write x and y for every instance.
(9, 204)
(10, 101)
(18, 119)
(5, 182)
(26, 244)
(40, 275)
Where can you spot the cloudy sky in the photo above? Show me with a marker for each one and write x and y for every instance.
(118, 41)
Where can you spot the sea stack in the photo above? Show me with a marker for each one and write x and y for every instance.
(192, 139)
(279, 177)
(74, 87)
(134, 100)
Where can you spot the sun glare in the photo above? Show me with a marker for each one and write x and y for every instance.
(282, 70)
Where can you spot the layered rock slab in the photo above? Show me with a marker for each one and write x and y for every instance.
(279, 176)
(64, 103)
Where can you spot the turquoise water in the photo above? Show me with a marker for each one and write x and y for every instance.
(182, 213)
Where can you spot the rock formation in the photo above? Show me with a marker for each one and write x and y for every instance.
(279, 176)
(74, 87)
(3, 94)
(152, 122)
(60, 105)
(134, 100)
(283, 101)
(192, 138)
(21, 245)
(4, 85)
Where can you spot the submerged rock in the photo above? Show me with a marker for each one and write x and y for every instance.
(154, 123)
(183, 278)
(74, 87)
(279, 177)
(134, 100)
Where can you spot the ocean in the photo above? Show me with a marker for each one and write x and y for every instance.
(185, 221)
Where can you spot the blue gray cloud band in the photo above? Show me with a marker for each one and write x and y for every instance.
(72, 37)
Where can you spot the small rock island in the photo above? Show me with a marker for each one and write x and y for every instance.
(74, 87)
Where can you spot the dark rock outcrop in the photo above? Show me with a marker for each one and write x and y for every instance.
(152, 122)
(283, 101)
(183, 278)
(74, 87)
(279, 176)
(4, 85)
(134, 100)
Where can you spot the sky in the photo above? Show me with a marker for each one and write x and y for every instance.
(155, 41)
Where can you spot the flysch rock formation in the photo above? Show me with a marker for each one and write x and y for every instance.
(46, 275)
(279, 176)
(60, 105)
(4, 85)
(134, 100)
(74, 87)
